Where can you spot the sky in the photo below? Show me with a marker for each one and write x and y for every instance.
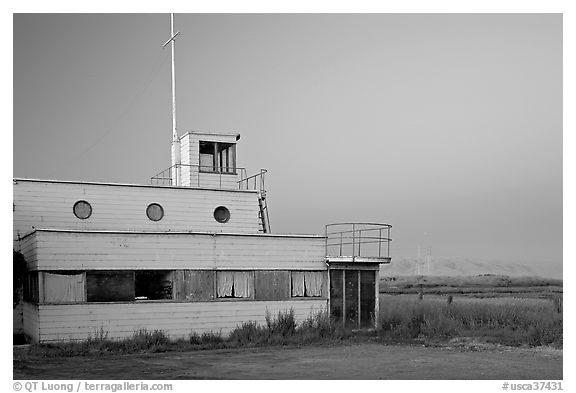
(446, 126)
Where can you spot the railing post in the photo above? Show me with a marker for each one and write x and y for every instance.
(380, 243)
(353, 239)
(359, 241)
(341, 243)
(325, 240)
(388, 242)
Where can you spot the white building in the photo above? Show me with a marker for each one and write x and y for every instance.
(196, 257)
(193, 252)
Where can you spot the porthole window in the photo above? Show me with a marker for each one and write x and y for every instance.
(221, 214)
(155, 212)
(82, 210)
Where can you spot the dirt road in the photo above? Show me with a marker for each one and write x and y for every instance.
(357, 361)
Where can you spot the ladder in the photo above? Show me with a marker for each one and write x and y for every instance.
(264, 220)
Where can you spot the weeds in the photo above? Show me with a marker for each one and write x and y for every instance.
(402, 319)
(508, 321)
(280, 330)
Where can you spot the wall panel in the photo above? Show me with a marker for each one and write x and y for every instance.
(46, 204)
(65, 250)
(119, 320)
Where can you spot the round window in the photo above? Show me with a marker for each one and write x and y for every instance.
(221, 214)
(82, 210)
(155, 212)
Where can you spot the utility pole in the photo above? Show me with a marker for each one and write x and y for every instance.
(175, 169)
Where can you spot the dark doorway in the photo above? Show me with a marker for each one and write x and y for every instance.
(367, 298)
(353, 297)
(336, 296)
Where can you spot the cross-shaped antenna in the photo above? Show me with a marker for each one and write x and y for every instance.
(172, 40)
(175, 168)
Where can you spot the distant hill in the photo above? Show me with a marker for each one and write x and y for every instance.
(467, 267)
(479, 281)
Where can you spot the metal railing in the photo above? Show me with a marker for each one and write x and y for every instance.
(359, 239)
(195, 173)
(254, 182)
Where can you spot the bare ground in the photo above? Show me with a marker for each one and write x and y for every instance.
(354, 361)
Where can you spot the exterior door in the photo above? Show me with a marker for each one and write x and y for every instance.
(353, 297)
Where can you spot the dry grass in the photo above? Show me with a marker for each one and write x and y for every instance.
(281, 329)
(508, 321)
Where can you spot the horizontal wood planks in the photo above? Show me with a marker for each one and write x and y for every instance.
(44, 204)
(60, 250)
(119, 320)
(28, 249)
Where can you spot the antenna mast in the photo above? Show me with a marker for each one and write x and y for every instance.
(175, 171)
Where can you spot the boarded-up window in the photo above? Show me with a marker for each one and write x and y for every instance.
(63, 287)
(234, 284)
(272, 285)
(110, 286)
(194, 285)
(153, 285)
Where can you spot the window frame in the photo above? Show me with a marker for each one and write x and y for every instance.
(217, 150)
(77, 203)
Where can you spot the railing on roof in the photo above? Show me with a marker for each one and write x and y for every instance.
(359, 239)
(254, 182)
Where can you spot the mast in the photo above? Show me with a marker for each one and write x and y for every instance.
(175, 168)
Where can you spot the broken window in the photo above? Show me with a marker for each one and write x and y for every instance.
(31, 293)
(217, 157)
(234, 284)
(63, 287)
(308, 284)
(110, 286)
(152, 284)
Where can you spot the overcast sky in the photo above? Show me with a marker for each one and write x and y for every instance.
(448, 127)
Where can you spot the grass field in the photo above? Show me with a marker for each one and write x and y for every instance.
(486, 285)
(492, 308)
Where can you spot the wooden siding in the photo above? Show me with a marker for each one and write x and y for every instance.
(190, 147)
(30, 321)
(119, 320)
(44, 204)
(216, 180)
(66, 250)
(28, 249)
(185, 159)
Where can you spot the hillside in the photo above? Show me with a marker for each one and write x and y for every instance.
(402, 266)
